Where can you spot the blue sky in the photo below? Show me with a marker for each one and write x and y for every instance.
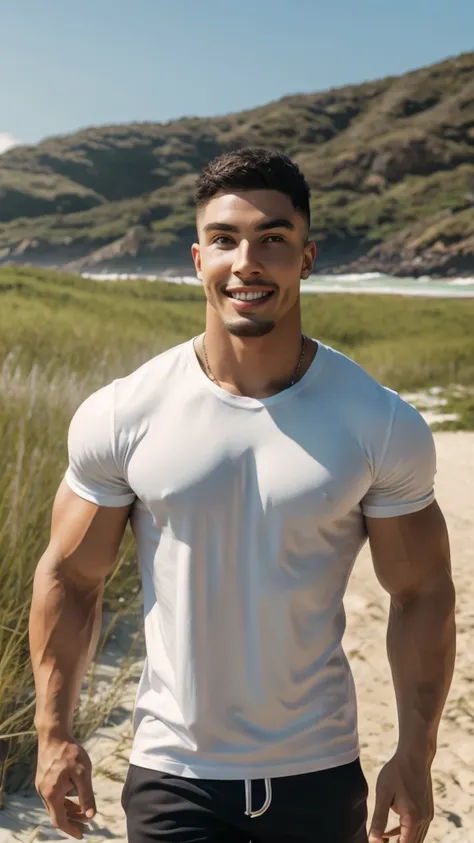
(65, 64)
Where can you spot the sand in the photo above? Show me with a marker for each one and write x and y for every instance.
(24, 818)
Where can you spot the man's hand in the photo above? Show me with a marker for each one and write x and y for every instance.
(64, 768)
(404, 785)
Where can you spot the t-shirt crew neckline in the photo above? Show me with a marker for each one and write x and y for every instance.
(246, 401)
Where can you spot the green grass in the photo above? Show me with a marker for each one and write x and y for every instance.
(460, 401)
(62, 337)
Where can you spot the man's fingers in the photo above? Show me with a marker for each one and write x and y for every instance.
(413, 831)
(386, 835)
(74, 811)
(56, 806)
(393, 832)
(65, 772)
(83, 782)
(379, 822)
(65, 814)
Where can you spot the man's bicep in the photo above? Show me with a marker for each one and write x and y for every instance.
(410, 552)
(85, 538)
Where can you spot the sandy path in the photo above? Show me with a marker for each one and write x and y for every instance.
(453, 771)
(453, 774)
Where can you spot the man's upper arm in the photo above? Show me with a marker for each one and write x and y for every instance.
(410, 552)
(85, 538)
(406, 528)
(93, 502)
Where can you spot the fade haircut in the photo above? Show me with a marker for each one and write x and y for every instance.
(253, 168)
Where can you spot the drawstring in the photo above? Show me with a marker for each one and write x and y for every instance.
(248, 799)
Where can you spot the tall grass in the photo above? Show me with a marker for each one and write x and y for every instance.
(34, 408)
(62, 337)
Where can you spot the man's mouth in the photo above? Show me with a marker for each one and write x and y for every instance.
(249, 296)
(244, 301)
(249, 301)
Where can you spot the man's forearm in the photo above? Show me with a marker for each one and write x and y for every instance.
(421, 647)
(64, 628)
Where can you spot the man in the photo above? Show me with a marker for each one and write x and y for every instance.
(253, 463)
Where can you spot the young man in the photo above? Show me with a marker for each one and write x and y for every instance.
(253, 462)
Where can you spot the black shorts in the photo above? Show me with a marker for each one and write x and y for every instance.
(324, 807)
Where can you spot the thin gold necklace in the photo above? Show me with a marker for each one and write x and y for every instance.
(295, 373)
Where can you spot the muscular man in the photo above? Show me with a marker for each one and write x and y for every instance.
(253, 463)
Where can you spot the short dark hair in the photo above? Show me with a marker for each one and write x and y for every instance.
(254, 168)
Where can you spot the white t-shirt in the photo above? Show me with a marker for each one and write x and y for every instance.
(248, 517)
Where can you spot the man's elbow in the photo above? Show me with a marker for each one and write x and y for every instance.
(55, 570)
(435, 591)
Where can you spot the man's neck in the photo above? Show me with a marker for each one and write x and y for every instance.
(254, 366)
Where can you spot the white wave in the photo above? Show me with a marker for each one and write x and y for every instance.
(462, 282)
(107, 276)
(456, 288)
(182, 279)
(386, 290)
(352, 276)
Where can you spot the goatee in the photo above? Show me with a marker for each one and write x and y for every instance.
(248, 328)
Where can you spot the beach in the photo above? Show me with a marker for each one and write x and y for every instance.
(25, 820)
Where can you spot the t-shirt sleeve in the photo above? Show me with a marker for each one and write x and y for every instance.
(404, 480)
(95, 471)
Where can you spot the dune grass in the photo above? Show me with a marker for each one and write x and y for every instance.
(62, 337)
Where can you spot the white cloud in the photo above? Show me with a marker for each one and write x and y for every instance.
(7, 141)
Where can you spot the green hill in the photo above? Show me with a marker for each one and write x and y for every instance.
(390, 164)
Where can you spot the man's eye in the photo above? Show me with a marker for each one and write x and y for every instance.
(274, 238)
(222, 240)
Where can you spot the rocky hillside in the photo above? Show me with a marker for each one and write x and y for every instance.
(390, 164)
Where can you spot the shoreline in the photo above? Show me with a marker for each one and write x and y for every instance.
(369, 283)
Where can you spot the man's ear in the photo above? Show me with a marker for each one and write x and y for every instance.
(196, 253)
(308, 259)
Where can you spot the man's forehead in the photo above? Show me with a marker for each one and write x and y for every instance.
(249, 206)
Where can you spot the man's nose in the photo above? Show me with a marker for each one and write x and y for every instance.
(246, 263)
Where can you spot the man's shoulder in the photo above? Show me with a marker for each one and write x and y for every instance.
(375, 414)
(154, 379)
(353, 383)
(154, 376)
(129, 398)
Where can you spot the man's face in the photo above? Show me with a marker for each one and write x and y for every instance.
(252, 253)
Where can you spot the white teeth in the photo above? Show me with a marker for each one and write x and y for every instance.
(248, 296)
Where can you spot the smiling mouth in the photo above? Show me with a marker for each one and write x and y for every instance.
(250, 296)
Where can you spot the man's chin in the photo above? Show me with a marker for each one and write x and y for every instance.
(249, 328)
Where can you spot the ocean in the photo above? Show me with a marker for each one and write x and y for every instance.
(369, 282)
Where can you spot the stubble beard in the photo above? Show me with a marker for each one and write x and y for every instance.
(248, 328)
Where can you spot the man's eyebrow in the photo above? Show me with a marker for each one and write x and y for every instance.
(277, 222)
(220, 226)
